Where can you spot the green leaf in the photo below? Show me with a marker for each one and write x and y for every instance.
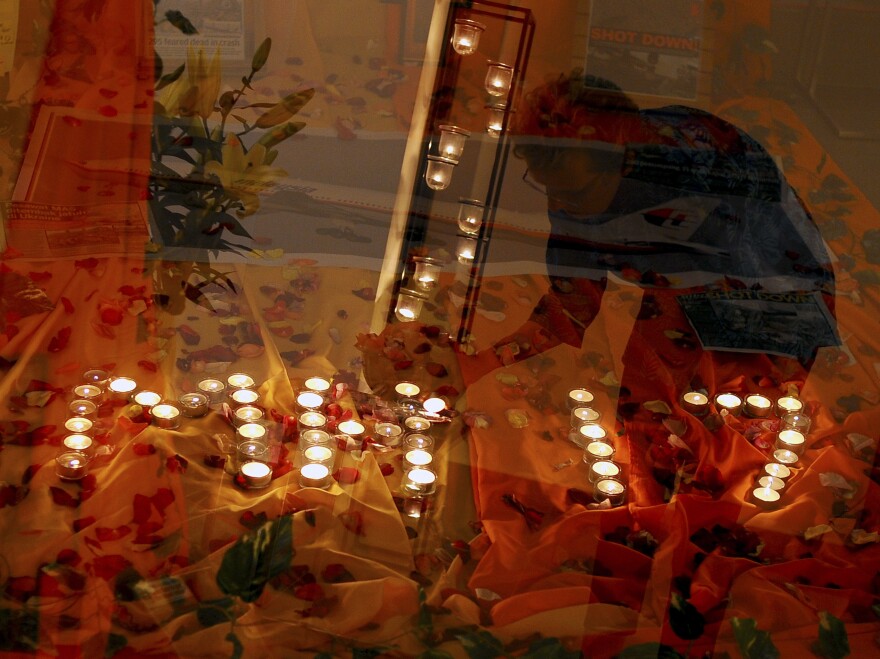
(167, 79)
(281, 133)
(753, 642)
(685, 620)
(181, 22)
(481, 645)
(833, 642)
(285, 108)
(261, 55)
(649, 651)
(550, 648)
(256, 558)
(115, 643)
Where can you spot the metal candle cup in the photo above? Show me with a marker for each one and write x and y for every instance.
(250, 431)
(215, 390)
(758, 406)
(695, 402)
(83, 408)
(610, 490)
(766, 497)
(79, 442)
(240, 397)
(315, 475)
(309, 401)
(121, 388)
(434, 405)
(194, 404)
(788, 405)
(311, 421)
(772, 482)
(589, 432)
(166, 416)
(777, 470)
(731, 403)
(407, 389)
(89, 392)
(313, 437)
(79, 425)
(71, 465)
(246, 414)
(785, 456)
(419, 482)
(579, 398)
(417, 457)
(791, 440)
(255, 474)
(417, 424)
(317, 384)
(240, 381)
(352, 428)
(603, 469)
(598, 450)
(388, 434)
(147, 399)
(582, 414)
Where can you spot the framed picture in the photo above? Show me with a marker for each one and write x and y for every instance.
(655, 50)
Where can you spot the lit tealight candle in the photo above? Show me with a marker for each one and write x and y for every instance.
(71, 465)
(589, 432)
(96, 376)
(89, 392)
(417, 457)
(418, 440)
(215, 390)
(787, 405)
(579, 398)
(309, 420)
(766, 496)
(791, 440)
(352, 428)
(255, 474)
(407, 389)
(121, 388)
(695, 402)
(320, 454)
(581, 415)
(785, 456)
(239, 397)
(417, 424)
(246, 414)
(252, 450)
(603, 469)
(598, 451)
(317, 384)
(758, 406)
(314, 475)
(314, 437)
(194, 404)
(83, 408)
(250, 431)
(78, 425)
(78, 442)
(434, 405)
(777, 470)
(610, 490)
(728, 402)
(165, 415)
(387, 433)
(147, 399)
(309, 401)
(419, 482)
(772, 482)
(240, 381)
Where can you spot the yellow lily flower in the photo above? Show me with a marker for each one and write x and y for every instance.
(244, 175)
(195, 92)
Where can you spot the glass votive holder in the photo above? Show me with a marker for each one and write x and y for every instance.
(438, 173)
(251, 432)
(788, 405)
(255, 474)
(589, 432)
(777, 470)
(796, 421)
(166, 415)
(407, 389)
(246, 414)
(194, 404)
(466, 36)
(312, 421)
(728, 402)
(695, 402)
(315, 474)
(71, 465)
(466, 249)
(85, 409)
(581, 415)
(147, 399)
(388, 433)
(785, 457)
(240, 381)
(79, 425)
(498, 78)
(766, 497)
(79, 442)
(419, 482)
(409, 304)
(418, 440)
(352, 428)
(772, 482)
(121, 388)
(89, 392)
(309, 401)
(603, 469)
(314, 437)
(240, 397)
(758, 406)
(597, 450)
(317, 384)
(611, 490)
(470, 215)
(791, 440)
(252, 449)
(417, 457)
(324, 455)
(579, 397)
(214, 389)
(426, 273)
(452, 140)
(497, 115)
(417, 424)
(96, 376)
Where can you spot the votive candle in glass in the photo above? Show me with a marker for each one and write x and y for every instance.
(728, 402)
(215, 390)
(311, 420)
(324, 455)
(407, 389)
(788, 405)
(71, 465)
(589, 432)
(387, 433)
(598, 450)
(246, 414)
(309, 401)
(194, 404)
(317, 384)
(255, 474)
(79, 442)
(96, 376)
(785, 456)
(252, 449)
(498, 78)
(791, 440)
(83, 408)
(581, 415)
(251, 431)
(419, 482)
(772, 482)
(796, 421)
(766, 497)
(417, 457)
(166, 415)
(79, 425)
(777, 470)
(352, 428)
(90, 392)
(240, 381)
(147, 399)
(603, 469)
(121, 388)
(695, 402)
(434, 405)
(314, 437)
(418, 440)
(579, 397)
(417, 424)
(611, 490)
(314, 474)
(239, 397)
(758, 406)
